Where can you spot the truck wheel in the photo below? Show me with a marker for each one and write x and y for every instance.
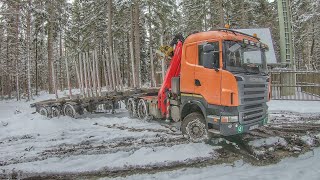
(44, 112)
(69, 110)
(193, 125)
(131, 107)
(143, 113)
(55, 112)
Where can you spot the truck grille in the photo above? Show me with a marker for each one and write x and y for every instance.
(253, 98)
(253, 118)
(254, 86)
(251, 113)
(253, 92)
(252, 106)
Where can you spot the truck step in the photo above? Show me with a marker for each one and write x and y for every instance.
(214, 131)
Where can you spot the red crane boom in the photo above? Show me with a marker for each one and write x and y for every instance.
(173, 71)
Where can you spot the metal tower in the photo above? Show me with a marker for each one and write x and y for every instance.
(286, 38)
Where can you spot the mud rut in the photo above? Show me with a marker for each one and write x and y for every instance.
(285, 125)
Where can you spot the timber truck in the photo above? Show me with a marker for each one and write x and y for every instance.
(216, 82)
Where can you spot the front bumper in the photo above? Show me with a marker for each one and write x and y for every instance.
(229, 129)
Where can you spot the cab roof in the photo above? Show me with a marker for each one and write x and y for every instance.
(219, 34)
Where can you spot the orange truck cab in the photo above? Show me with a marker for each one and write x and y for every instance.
(223, 84)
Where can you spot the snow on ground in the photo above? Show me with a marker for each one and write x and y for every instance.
(294, 106)
(304, 167)
(268, 142)
(33, 143)
(143, 157)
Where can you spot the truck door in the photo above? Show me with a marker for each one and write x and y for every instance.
(208, 80)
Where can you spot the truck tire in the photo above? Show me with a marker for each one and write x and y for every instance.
(55, 111)
(142, 109)
(44, 112)
(70, 110)
(194, 127)
(131, 107)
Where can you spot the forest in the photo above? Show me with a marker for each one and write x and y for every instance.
(50, 45)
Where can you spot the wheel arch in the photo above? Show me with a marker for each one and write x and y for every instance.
(192, 106)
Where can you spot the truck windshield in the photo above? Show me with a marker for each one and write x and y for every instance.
(243, 58)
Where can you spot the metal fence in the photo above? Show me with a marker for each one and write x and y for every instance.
(295, 85)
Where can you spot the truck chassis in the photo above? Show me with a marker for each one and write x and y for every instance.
(135, 101)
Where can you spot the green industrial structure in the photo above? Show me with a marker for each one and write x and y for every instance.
(286, 38)
(287, 80)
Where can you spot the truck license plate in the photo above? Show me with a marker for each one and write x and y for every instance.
(253, 127)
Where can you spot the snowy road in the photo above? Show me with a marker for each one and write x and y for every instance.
(98, 146)
(304, 167)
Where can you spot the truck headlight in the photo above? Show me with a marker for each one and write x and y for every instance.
(229, 119)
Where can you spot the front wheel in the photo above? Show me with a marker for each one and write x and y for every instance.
(193, 126)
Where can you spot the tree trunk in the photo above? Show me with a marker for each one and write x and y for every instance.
(133, 66)
(93, 75)
(68, 77)
(36, 66)
(205, 16)
(109, 70)
(50, 48)
(104, 61)
(128, 67)
(81, 75)
(118, 71)
(97, 72)
(85, 72)
(163, 62)
(132, 49)
(28, 50)
(8, 79)
(61, 79)
(137, 41)
(76, 64)
(221, 12)
(17, 49)
(110, 42)
(243, 15)
(312, 46)
(54, 81)
(153, 82)
(89, 73)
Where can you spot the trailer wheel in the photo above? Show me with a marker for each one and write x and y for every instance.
(108, 108)
(44, 111)
(69, 110)
(143, 113)
(193, 125)
(131, 107)
(55, 112)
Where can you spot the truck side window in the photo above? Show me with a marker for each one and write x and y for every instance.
(216, 53)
